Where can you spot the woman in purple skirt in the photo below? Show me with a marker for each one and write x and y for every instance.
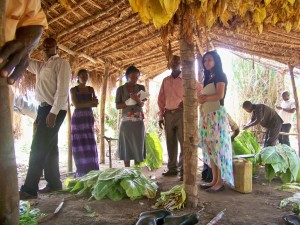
(84, 145)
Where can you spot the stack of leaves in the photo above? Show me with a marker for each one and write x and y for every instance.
(172, 199)
(280, 160)
(294, 200)
(245, 143)
(114, 184)
(154, 151)
(28, 216)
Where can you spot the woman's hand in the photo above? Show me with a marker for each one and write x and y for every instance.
(95, 102)
(202, 99)
(135, 97)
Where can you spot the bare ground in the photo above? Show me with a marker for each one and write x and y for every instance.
(257, 208)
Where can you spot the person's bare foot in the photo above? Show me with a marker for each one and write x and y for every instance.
(217, 186)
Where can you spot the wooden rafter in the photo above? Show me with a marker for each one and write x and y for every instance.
(88, 20)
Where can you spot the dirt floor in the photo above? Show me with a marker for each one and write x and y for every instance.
(257, 208)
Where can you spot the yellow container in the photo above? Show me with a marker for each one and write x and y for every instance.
(242, 172)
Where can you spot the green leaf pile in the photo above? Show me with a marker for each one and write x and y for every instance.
(245, 143)
(280, 160)
(114, 184)
(28, 216)
(294, 200)
(154, 151)
(172, 199)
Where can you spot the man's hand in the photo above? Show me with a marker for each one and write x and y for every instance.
(14, 55)
(161, 124)
(232, 139)
(278, 107)
(50, 120)
(245, 127)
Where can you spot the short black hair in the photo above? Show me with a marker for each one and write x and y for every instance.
(285, 93)
(82, 71)
(50, 39)
(130, 70)
(247, 105)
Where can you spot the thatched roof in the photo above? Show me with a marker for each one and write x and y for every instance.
(94, 31)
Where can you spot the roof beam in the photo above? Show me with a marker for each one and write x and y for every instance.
(95, 38)
(68, 11)
(89, 58)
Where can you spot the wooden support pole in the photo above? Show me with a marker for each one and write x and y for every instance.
(291, 68)
(9, 196)
(70, 155)
(102, 111)
(120, 83)
(190, 113)
(147, 106)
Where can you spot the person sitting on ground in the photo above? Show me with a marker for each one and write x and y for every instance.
(287, 108)
(267, 118)
(84, 146)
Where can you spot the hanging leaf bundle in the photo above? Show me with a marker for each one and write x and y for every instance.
(259, 15)
(154, 151)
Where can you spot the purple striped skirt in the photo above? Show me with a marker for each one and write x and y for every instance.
(84, 145)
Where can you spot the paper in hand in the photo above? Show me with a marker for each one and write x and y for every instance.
(209, 107)
(143, 95)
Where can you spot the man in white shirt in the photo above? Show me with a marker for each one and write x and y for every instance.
(52, 88)
(287, 108)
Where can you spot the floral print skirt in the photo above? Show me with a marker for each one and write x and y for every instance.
(215, 142)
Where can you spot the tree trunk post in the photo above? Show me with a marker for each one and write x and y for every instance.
(200, 68)
(147, 104)
(9, 195)
(70, 155)
(190, 114)
(291, 68)
(102, 111)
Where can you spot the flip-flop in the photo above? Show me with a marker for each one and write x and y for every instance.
(210, 190)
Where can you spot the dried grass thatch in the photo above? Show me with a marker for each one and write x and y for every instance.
(91, 32)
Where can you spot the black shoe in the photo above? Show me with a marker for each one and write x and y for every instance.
(210, 190)
(204, 186)
(170, 173)
(25, 196)
(46, 190)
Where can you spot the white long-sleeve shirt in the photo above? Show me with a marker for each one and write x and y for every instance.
(52, 82)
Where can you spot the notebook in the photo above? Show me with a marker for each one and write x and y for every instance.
(209, 107)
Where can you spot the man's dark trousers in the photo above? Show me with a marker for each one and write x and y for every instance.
(284, 139)
(44, 153)
(272, 135)
(174, 133)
